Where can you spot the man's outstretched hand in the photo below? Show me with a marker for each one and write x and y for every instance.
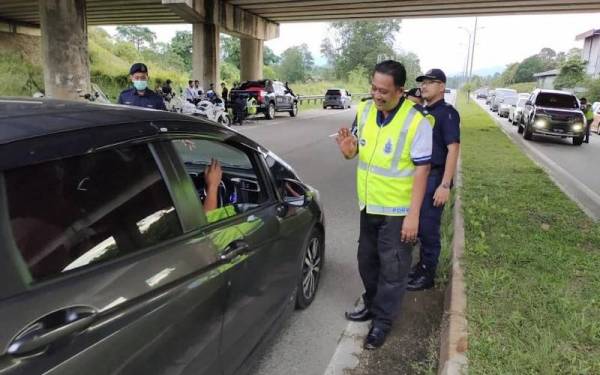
(347, 143)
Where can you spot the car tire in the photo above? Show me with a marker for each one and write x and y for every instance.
(270, 112)
(527, 134)
(520, 129)
(577, 141)
(294, 111)
(313, 257)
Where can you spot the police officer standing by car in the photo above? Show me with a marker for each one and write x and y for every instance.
(589, 118)
(393, 145)
(140, 95)
(444, 158)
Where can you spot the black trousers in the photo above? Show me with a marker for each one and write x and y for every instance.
(383, 262)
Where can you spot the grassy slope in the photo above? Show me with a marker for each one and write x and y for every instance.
(532, 260)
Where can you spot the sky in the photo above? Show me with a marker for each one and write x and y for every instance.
(441, 43)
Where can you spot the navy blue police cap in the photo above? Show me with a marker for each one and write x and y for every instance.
(434, 75)
(138, 67)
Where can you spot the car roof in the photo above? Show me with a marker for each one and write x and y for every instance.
(547, 91)
(24, 118)
(35, 130)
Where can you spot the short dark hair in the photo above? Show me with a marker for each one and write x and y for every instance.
(190, 82)
(583, 100)
(394, 69)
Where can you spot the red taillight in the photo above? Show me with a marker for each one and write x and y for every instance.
(261, 96)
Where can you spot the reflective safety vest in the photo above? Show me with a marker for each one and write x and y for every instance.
(385, 171)
(589, 114)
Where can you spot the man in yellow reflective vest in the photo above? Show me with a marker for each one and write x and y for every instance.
(392, 140)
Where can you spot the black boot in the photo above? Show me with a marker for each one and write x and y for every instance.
(415, 271)
(361, 315)
(375, 338)
(423, 280)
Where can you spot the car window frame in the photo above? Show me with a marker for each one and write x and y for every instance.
(26, 282)
(253, 156)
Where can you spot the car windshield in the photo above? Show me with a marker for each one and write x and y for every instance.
(556, 101)
(333, 92)
(511, 100)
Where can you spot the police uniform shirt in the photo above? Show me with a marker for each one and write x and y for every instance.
(421, 148)
(150, 99)
(445, 131)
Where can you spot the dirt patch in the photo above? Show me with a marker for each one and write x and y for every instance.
(412, 345)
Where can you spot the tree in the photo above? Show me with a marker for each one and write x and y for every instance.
(181, 45)
(413, 67)
(528, 67)
(572, 73)
(359, 43)
(230, 50)
(296, 64)
(137, 35)
(269, 57)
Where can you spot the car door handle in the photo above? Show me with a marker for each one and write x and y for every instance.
(51, 328)
(234, 249)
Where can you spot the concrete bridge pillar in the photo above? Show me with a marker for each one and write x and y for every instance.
(251, 59)
(64, 48)
(205, 54)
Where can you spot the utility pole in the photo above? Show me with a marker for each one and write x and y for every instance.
(473, 49)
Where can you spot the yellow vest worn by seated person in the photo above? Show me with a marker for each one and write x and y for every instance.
(385, 171)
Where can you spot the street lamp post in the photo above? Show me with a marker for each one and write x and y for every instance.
(466, 74)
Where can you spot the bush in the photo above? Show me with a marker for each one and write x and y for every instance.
(19, 77)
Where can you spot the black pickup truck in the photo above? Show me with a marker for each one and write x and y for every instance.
(270, 96)
(551, 112)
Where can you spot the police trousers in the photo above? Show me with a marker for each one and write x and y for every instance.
(383, 262)
(429, 223)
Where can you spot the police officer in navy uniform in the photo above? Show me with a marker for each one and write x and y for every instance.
(140, 95)
(444, 158)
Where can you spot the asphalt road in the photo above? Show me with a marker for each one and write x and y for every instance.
(309, 338)
(573, 168)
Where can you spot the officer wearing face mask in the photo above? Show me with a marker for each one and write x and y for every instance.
(140, 95)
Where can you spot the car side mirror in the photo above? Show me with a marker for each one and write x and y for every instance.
(295, 193)
(528, 102)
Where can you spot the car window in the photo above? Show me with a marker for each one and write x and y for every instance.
(74, 212)
(333, 92)
(280, 171)
(240, 188)
(556, 101)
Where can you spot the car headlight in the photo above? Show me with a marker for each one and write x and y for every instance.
(577, 127)
(540, 123)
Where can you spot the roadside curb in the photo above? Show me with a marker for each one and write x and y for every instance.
(454, 340)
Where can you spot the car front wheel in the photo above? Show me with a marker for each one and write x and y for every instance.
(577, 141)
(310, 270)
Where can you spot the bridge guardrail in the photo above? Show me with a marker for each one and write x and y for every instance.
(321, 98)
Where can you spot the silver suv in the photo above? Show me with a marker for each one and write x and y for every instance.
(337, 98)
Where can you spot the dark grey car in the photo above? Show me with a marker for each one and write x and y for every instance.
(110, 263)
(337, 98)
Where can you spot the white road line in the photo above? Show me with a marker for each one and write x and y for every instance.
(332, 135)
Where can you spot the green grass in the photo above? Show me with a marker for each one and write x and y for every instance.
(532, 262)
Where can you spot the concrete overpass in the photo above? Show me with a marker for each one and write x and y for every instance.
(63, 29)
(63, 25)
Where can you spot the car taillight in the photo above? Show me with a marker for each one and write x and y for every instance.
(261, 96)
